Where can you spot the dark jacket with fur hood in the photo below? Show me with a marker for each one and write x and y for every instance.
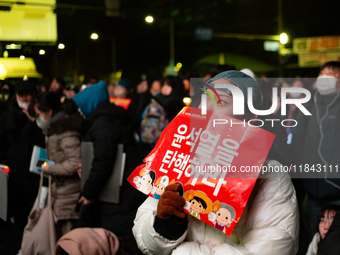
(63, 147)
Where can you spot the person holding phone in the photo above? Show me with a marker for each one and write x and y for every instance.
(63, 132)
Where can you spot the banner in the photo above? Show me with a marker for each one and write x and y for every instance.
(217, 165)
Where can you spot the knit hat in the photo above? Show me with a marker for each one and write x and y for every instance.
(91, 97)
(249, 72)
(25, 86)
(243, 82)
(125, 83)
(88, 241)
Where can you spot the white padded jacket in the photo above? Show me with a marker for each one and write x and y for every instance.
(269, 225)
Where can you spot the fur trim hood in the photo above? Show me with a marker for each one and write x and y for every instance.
(66, 123)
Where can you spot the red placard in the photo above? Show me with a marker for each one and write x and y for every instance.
(122, 102)
(217, 159)
(5, 168)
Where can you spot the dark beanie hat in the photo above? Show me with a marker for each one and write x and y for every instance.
(25, 86)
(243, 82)
(125, 83)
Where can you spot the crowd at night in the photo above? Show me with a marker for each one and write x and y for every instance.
(169, 127)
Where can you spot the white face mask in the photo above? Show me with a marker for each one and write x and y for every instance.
(22, 105)
(41, 122)
(326, 85)
(295, 94)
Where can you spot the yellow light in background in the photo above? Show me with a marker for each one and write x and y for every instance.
(25, 78)
(187, 101)
(119, 74)
(61, 46)
(13, 46)
(22, 57)
(94, 36)
(41, 52)
(149, 19)
(5, 54)
(283, 38)
(179, 65)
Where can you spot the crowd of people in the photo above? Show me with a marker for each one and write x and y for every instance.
(284, 215)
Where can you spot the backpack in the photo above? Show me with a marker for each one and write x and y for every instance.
(154, 121)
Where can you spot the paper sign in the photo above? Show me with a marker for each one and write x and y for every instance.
(217, 164)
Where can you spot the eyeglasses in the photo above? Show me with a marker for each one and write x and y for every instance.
(329, 222)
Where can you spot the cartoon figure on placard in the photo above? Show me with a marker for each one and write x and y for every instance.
(223, 216)
(197, 202)
(144, 182)
(161, 184)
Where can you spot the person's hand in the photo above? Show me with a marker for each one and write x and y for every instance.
(62, 100)
(45, 167)
(171, 202)
(78, 168)
(24, 110)
(85, 200)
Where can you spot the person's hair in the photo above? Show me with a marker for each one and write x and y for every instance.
(48, 101)
(175, 83)
(70, 107)
(200, 200)
(331, 64)
(231, 210)
(189, 74)
(61, 81)
(329, 208)
(94, 77)
(152, 175)
(62, 251)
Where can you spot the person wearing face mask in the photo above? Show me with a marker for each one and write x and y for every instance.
(18, 134)
(63, 129)
(316, 140)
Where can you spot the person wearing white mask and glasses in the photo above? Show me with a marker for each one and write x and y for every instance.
(18, 134)
(316, 141)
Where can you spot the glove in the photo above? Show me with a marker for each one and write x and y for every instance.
(171, 202)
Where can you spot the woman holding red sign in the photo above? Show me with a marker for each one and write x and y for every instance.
(269, 222)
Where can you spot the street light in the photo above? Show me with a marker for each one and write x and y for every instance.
(149, 19)
(41, 52)
(61, 46)
(283, 38)
(22, 57)
(94, 36)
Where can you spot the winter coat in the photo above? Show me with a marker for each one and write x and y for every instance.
(107, 126)
(269, 225)
(18, 135)
(63, 147)
(306, 140)
(313, 246)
